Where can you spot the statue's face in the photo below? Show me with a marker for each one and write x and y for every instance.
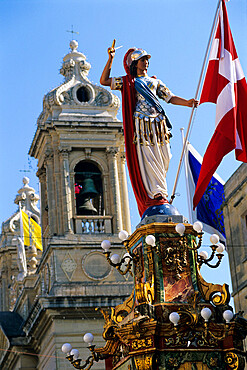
(143, 64)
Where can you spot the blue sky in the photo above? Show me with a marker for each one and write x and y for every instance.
(34, 41)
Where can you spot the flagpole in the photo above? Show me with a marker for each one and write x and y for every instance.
(186, 178)
(21, 224)
(196, 97)
(21, 248)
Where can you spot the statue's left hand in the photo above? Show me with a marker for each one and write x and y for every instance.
(193, 103)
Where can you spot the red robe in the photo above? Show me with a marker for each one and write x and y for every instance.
(128, 109)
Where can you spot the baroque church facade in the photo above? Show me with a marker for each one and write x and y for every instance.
(79, 146)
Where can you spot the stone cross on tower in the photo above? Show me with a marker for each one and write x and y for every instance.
(72, 31)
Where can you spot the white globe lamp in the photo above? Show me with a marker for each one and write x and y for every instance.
(203, 255)
(75, 354)
(220, 248)
(228, 315)
(180, 229)
(106, 245)
(123, 235)
(214, 238)
(197, 226)
(206, 313)
(150, 240)
(115, 258)
(174, 318)
(66, 348)
(88, 338)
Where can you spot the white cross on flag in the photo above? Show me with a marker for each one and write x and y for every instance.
(224, 85)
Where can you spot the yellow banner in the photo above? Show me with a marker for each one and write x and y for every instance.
(31, 231)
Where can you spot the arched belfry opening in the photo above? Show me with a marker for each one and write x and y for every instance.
(88, 189)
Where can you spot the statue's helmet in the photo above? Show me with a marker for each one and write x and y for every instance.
(134, 54)
(138, 54)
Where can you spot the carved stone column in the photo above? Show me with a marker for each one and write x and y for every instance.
(66, 191)
(41, 173)
(115, 191)
(106, 193)
(52, 219)
(72, 193)
(57, 180)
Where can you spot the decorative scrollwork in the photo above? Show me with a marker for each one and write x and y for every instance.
(122, 310)
(67, 69)
(209, 290)
(142, 343)
(169, 341)
(174, 255)
(232, 360)
(144, 362)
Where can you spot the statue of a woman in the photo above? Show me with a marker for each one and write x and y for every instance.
(146, 126)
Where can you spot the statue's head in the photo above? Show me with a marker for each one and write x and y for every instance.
(131, 59)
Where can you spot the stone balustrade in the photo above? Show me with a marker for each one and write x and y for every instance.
(93, 224)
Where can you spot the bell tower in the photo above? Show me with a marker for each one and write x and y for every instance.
(80, 150)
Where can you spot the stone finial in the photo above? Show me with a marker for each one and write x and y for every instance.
(25, 181)
(75, 64)
(28, 198)
(78, 92)
(73, 45)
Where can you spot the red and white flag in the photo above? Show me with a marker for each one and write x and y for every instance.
(224, 85)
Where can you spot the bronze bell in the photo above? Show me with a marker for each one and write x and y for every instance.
(87, 208)
(86, 194)
(88, 188)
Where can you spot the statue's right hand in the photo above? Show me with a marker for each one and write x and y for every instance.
(111, 52)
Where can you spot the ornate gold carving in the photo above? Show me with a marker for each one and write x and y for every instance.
(136, 324)
(142, 343)
(138, 265)
(118, 82)
(209, 290)
(156, 228)
(140, 295)
(109, 326)
(122, 310)
(174, 254)
(191, 311)
(173, 361)
(150, 262)
(145, 292)
(213, 361)
(231, 359)
(144, 362)
(149, 291)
